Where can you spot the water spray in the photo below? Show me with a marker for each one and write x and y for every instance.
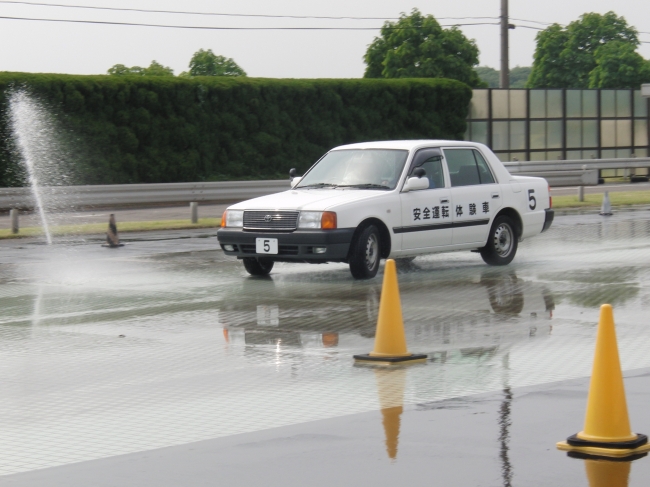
(33, 135)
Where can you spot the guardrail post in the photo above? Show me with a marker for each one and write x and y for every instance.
(581, 193)
(13, 215)
(194, 211)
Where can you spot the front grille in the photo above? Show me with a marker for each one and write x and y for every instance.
(288, 250)
(282, 249)
(270, 220)
(247, 248)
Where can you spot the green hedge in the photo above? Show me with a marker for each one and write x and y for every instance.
(145, 130)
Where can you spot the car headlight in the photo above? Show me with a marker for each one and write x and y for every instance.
(232, 218)
(325, 220)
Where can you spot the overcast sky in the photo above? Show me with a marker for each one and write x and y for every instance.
(92, 49)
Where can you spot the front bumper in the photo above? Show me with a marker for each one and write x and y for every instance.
(296, 246)
(548, 219)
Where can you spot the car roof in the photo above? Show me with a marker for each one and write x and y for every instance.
(407, 144)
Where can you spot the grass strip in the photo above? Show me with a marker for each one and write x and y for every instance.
(124, 227)
(622, 198)
(617, 199)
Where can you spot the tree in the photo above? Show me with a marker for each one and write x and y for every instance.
(618, 65)
(565, 57)
(417, 47)
(490, 76)
(157, 69)
(207, 63)
(154, 69)
(519, 76)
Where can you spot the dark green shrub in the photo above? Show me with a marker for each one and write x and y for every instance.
(161, 129)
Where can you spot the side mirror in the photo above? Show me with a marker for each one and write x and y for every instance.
(295, 181)
(416, 184)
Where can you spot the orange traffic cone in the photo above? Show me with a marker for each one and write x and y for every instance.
(390, 387)
(607, 429)
(601, 473)
(390, 339)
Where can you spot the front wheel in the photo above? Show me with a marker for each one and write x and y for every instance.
(502, 242)
(365, 254)
(258, 267)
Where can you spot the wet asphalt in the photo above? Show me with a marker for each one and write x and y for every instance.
(163, 363)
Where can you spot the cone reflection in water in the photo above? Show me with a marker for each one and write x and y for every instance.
(602, 473)
(390, 388)
(330, 339)
(607, 418)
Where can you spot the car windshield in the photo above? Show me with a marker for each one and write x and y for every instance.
(357, 168)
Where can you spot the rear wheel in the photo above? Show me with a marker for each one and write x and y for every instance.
(502, 242)
(365, 254)
(258, 267)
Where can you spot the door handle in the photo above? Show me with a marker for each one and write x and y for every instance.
(444, 200)
(495, 195)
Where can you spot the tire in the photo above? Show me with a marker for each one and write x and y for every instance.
(501, 246)
(257, 267)
(365, 253)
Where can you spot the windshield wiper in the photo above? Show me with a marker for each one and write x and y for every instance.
(318, 185)
(364, 186)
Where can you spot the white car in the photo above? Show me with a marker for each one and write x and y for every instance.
(399, 199)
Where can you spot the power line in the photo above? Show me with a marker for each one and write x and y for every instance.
(532, 21)
(222, 14)
(519, 26)
(206, 27)
(183, 12)
(547, 24)
(199, 27)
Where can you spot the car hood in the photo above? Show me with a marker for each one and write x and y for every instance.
(308, 199)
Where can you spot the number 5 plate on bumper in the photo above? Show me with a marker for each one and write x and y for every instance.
(266, 245)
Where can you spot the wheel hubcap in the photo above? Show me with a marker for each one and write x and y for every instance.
(372, 251)
(503, 240)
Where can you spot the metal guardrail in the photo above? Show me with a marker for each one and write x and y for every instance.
(582, 172)
(557, 173)
(67, 197)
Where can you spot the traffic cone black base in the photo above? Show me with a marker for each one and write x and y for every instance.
(599, 451)
(641, 440)
(585, 456)
(390, 360)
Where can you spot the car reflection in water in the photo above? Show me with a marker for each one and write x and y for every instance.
(468, 317)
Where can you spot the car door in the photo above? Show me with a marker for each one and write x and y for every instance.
(475, 195)
(426, 214)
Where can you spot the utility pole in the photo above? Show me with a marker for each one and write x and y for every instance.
(504, 81)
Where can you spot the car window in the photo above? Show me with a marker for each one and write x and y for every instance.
(483, 169)
(431, 161)
(367, 168)
(467, 167)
